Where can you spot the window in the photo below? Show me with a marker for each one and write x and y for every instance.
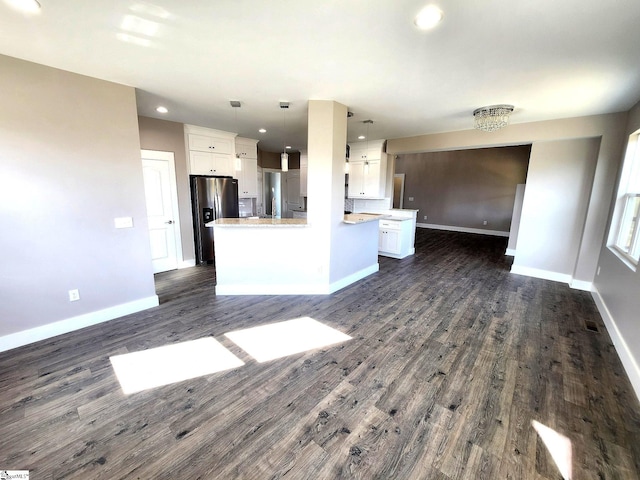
(625, 229)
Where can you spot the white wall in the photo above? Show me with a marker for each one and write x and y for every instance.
(618, 291)
(70, 163)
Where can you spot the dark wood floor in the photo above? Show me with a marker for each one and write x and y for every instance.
(451, 360)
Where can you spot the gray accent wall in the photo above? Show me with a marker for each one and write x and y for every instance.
(69, 164)
(464, 188)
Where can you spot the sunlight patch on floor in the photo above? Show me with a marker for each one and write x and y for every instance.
(151, 368)
(276, 340)
(559, 447)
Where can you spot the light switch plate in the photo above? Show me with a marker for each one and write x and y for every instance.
(123, 222)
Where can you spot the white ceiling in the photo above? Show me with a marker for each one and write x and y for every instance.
(549, 58)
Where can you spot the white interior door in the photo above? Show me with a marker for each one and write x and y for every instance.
(162, 209)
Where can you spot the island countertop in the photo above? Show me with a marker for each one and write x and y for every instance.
(258, 222)
(354, 218)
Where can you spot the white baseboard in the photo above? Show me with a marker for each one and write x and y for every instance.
(553, 276)
(481, 231)
(626, 357)
(272, 289)
(187, 264)
(353, 278)
(296, 289)
(581, 285)
(411, 251)
(49, 330)
(544, 274)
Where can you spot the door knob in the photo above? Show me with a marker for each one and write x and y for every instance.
(169, 222)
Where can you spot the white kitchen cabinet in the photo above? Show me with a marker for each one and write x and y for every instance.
(246, 147)
(247, 159)
(395, 238)
(247, 177)
(205, 163)
(366, 179)
(367, 170)
(206, 143)
(210, 152)
(363, 151)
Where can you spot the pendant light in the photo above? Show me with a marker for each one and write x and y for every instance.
(346, 160)
(284, 156)
(366, 158)
(238, 162)
(348, 149)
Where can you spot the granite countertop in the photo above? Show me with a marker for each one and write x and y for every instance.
(258, 222)
(353, 218)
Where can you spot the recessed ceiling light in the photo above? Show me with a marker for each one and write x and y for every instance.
(26, 6)
(361, 137)
(162, 109)
(125, 37)
(262, 130)
(288, 147)
(139, 26)
(428, 17)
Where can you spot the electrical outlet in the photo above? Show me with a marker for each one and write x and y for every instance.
(425, 217)
(74, 295)
(411, 199)
(484, 223)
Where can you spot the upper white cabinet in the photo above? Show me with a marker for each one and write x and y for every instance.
(211, 143)
(247, 162)
(210, 152)
(367, 170)
(205, 163)
(246, 147)
(365, 179)
(366, 151)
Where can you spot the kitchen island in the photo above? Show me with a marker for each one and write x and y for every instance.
(317, 255)
(264, 256)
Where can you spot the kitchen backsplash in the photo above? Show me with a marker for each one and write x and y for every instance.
(369, 205)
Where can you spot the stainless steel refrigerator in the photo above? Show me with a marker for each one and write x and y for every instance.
(211, 198)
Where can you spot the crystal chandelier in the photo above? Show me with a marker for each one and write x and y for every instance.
(492, 118)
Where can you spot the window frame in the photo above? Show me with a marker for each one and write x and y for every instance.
(622, 227)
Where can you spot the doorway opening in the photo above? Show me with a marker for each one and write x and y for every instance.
(398, 190)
